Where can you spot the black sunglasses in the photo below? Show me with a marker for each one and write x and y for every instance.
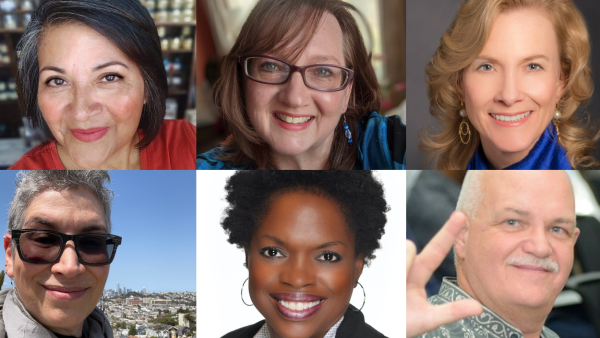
(46, 246)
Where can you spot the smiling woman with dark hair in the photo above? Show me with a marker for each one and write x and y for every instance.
(91, 71)
(307, 236)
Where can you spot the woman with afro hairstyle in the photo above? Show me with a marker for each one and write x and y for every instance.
(306, 236)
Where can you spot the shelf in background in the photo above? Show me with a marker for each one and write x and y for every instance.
(177, 51)
(175, 24)
(12, 30)
(177, 92)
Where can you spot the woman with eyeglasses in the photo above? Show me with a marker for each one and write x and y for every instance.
(58, 251)
(298, 91)
(307, 236)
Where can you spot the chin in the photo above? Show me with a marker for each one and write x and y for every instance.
(90, 159)
(513, 143)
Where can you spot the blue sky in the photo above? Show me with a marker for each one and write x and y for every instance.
(155, 213)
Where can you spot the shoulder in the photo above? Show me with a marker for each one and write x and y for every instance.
(382, 142)
(245, 332)
(43, 157)
(173, 148)
(210, 160)
(354, 326)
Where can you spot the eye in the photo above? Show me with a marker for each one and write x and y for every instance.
(55, 82)
(111, 78)
(558, 230)
(512, 222)
(533, 66)
(329, 257)
(269, 66)
(486, 67)
(271, 252)
(323, 71)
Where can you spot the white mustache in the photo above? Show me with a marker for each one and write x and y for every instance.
(545, 263)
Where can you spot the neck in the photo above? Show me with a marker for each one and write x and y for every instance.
(499, 159)
(125, 158)
(312, 159)
(529, 321)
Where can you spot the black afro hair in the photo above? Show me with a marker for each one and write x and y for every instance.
(359, 195)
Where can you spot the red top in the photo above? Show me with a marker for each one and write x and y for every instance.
(174, 148)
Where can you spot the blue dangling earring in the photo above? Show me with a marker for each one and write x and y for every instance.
(347, 131)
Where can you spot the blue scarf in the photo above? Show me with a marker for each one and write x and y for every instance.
(546, 154)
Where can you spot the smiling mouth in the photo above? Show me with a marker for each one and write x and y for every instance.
(513, 118)
(293, 120)
(65, 293)
(301, 308)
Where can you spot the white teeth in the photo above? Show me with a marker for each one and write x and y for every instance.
(507, 118)
(299, 306)
(292, 120)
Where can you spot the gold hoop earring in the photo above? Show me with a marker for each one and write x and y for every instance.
(464, 125)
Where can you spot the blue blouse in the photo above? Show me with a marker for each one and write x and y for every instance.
(546, 154)
(381, 145)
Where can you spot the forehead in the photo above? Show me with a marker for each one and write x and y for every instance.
(72, 44)
(544, 194)
(325, 46)
(528, 31)
(66, 210)
(305, 219)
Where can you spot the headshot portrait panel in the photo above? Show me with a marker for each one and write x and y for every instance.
(479, 98)
(98, 253)
(305, 240)
(509, 252)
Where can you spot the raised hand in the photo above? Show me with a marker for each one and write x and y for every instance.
(421, 316)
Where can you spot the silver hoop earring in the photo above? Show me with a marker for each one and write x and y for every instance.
(364, 298)
(242, 293)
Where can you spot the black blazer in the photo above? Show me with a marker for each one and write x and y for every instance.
(353, 326)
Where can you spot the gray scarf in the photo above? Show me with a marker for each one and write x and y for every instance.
(16, 322)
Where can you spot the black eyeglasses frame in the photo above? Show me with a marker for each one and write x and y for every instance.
(16, 234)
(294, 68)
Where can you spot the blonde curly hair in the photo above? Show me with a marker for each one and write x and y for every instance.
(460, 46)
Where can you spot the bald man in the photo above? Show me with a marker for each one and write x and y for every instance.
(513, 236)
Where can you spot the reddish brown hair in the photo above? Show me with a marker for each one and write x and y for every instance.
(273, 25)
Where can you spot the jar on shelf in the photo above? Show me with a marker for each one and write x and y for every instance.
(162, 31)
(9, 20)
(162, 16)
(176, 4)
(25, 19)
(175, 43)
(188, 4)
(26, 5)
(186, 31)
(188, 15)
(175, 15)
(162, 5)
(164, 44)
(171, 109)
(150, 5)
(3, 47)
(188, 43)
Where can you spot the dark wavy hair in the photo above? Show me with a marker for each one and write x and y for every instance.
(125, 23)
(358, 194)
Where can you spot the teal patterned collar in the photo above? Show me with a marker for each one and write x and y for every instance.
(487, 324)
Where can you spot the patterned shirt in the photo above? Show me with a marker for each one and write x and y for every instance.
(264, 333)
(486, 325)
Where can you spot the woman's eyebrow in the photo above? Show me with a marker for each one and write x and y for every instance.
(328, 244)
(274, 239)
(98, 67)
(323, 58)
(110, 63)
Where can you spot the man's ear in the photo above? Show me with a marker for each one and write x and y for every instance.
(460, 244)
(8, 259)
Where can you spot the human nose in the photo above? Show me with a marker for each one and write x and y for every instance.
(298, 274)
(68, 263)
(294, 93)
(510, 92)
(85, 103)
(537, 243)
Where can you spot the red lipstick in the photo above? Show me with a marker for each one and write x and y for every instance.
(89, 135)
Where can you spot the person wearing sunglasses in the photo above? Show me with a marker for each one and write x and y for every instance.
(307, 236)
(298, 91)
(58, 254)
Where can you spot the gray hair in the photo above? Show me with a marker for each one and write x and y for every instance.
(30, 184)
(470, 193)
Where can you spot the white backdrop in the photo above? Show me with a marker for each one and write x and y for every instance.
(220, 272)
